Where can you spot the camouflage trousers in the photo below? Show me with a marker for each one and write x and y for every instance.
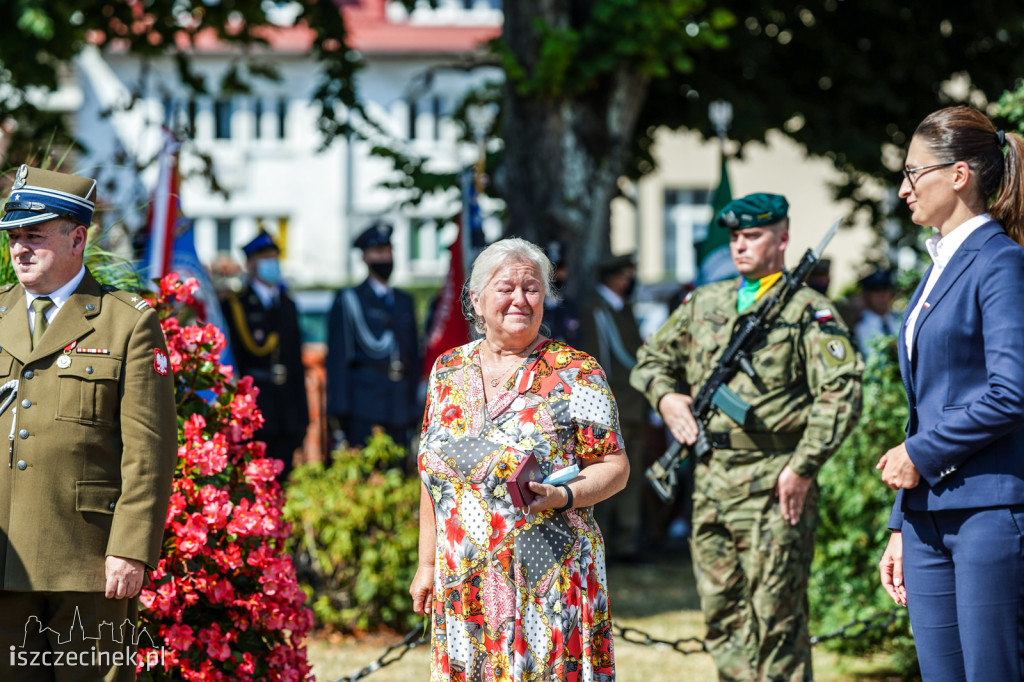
(752, 570)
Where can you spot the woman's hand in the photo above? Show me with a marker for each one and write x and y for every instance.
(548, 497)
(422, 589)
(891, 569)
(898, 470)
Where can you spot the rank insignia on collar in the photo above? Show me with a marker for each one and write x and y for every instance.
(160, 362)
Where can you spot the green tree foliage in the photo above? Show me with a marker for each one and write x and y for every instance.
(50, 33)
(355, 531)
(1011, 107)
(855, 507)
(848, 80)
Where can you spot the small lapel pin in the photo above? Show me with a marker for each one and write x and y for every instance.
(927, 305)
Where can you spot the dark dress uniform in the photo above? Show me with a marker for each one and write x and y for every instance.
(268, 347)
(373, 363)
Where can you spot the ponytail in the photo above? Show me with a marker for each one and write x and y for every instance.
(1008, 206)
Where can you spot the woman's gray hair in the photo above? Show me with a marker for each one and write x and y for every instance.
(492, 259)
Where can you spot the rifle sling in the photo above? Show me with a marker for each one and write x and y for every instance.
(763, 442)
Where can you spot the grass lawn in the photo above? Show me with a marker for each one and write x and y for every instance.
(660, 600)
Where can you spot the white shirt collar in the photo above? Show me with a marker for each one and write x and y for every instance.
(61, 295)
(614, 300)
(381, 290)
(941, 249)
(266, 293)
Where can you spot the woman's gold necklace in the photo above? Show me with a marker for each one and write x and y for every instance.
(501, 378)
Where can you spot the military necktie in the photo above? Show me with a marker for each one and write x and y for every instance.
(39, 306)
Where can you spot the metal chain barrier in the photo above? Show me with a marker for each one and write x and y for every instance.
(861, 626)
(412, 640)
(686, 646)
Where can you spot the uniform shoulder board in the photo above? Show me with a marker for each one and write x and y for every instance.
(136, 301)
(6, 288)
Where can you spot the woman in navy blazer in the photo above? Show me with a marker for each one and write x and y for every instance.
(955, 557)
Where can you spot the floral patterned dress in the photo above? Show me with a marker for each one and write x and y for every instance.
(516, 597)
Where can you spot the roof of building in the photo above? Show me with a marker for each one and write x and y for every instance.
(372, 31)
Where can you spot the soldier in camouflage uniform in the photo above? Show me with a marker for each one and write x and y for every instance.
(755, 502)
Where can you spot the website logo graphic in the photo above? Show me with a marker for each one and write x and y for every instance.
(84, 650)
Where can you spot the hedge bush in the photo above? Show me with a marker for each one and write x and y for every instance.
(355, 527)
(855, 507)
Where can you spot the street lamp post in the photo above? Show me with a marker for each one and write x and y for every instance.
(720, 113)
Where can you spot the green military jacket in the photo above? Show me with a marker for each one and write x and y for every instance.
(92, 439)
(810, 393)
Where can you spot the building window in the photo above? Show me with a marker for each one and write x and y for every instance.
(436, 110)
(223, 235)
(424, 245)
(687, 217)
(257, 115)
(414, 113)
(282, 117)
(222, 111)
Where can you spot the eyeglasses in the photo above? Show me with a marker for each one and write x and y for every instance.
(909, 173)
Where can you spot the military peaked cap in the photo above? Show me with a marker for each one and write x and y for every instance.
(39, 196)
(377, 234)
(753, 210)
(879, 280)
(262, 242)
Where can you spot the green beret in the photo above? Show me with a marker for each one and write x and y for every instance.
(753, 210)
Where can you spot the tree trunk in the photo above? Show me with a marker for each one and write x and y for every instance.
(564, 154)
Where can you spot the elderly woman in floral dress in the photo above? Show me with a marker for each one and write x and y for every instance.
(516, 593)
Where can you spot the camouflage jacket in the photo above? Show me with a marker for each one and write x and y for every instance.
(810, 375)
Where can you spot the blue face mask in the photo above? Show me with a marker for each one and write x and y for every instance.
(268, 270)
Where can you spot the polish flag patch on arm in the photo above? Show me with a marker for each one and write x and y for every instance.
(823, 315)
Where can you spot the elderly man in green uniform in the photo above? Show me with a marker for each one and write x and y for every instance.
(87, 396)
(755, 502)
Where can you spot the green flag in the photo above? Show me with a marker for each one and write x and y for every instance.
(714, 262)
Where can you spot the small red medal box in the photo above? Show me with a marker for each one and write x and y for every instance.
(518, 490)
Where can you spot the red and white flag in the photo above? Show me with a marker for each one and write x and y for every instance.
(163, 210)
(448, 327)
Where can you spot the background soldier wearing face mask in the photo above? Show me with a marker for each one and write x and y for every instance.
(264, 327)
(373, 362)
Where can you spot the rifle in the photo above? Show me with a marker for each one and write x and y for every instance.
(715, 393)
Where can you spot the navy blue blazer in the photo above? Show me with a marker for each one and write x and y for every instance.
(965, 384)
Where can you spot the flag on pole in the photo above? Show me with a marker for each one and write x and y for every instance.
(163, 210)
(714, 262)
(448, 326)
(172, 245)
